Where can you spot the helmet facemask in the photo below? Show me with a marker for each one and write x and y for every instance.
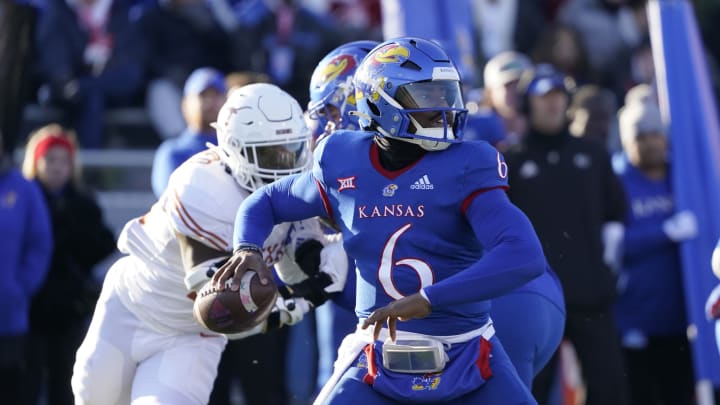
(434, 113)
(263, 163)
(409, 89)
(262, 134)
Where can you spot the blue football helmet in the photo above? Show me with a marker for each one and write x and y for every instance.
(331, 85)
(409, 89)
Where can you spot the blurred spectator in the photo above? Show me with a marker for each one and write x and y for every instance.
(642, 93)
(592, 115)
(506, 25)
(61, 309)
(90, 55)
(499, 120)
(642, 66)
(562, 46)
(567, 188)
(363, 16)
(236, 80)
(551, 7)
(650, 309)
(203, 95)
(609, 30)
(17, 29)
(182, 35)
(285, 40)
(25, 253)
(708, 14)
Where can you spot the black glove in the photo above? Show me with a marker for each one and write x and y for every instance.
(307, 256)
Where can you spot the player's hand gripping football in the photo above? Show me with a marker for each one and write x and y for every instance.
(241, 262)
(410, 307)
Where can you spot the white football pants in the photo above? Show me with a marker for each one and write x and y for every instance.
(123, 361)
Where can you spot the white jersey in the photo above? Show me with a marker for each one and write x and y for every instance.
(200, 202)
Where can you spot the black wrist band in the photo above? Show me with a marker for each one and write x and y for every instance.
(248, 246)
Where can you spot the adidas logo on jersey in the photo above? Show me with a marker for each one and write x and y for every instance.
(423, 183)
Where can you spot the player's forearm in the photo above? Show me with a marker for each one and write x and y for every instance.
(291, 199)
(500, 271)
(254, 220)
(513, 254)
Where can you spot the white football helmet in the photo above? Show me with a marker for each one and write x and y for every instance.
(262, 134)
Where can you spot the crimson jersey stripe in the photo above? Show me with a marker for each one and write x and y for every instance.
(466, 202)
(198, 230)
(325, 201)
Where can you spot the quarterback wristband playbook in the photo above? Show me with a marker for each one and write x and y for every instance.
(414, 355)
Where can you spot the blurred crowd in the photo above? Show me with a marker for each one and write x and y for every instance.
(566, 90)
(87, 56)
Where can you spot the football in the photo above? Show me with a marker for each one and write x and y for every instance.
(230, 311)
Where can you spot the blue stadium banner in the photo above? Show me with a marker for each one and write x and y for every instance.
(687, 102)
(448, 22)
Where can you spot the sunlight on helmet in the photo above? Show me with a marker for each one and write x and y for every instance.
(262, 133)
(332, 94)
(409, 89)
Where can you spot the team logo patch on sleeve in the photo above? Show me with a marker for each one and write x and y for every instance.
(346, 183)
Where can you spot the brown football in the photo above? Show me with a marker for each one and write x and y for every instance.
(230, 311)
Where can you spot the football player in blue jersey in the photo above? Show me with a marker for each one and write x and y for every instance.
(431, 231)
(332, 93)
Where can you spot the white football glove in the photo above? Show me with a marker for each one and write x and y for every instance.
(681, 226)
(334, 262)
(287, 311)
(292, 310)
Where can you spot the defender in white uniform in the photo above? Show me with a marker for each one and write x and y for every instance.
(143, 345)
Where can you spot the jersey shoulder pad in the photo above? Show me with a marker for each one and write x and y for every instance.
(332, 152)
(485, 166)
(202, 199)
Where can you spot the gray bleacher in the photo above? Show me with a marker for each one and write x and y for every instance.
(125, 127)
(119, 173)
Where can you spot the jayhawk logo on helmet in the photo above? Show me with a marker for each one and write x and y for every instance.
(337, 66)
(391, 53)
(371, 92)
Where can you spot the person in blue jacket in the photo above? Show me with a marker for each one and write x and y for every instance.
(650, 309)
(25, 254)
(432, 233)
(203, 95)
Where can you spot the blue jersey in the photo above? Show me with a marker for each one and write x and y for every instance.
(442, 224)
(407, 229)
(651, 297)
